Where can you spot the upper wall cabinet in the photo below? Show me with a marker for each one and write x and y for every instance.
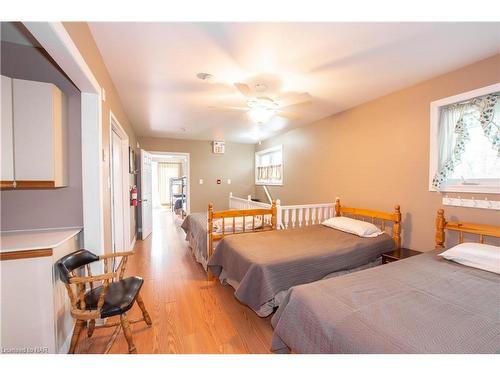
(39, 134)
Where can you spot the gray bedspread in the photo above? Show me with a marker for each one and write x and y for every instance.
(422, 304)
(263, 264)
(195, 227)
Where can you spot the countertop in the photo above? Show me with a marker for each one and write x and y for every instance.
(24, 240)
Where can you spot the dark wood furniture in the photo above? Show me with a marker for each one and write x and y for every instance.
(397, 254)
(107, 295)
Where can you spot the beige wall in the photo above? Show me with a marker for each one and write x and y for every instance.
(236, 164)
(83, 39)
(377, 154)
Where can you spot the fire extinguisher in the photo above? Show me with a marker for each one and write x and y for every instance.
(133, 196)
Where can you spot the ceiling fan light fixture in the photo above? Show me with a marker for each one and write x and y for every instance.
(260, 115)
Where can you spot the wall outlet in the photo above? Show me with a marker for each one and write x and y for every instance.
(200, 181)
(219, 181)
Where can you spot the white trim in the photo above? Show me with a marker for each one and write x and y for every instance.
(132, 243)
(118, 129)
(188, 174)
(66, 344)
(54, 38)
(434, 132)
(266, 151)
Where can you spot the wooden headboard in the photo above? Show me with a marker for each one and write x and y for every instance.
(266, 215)
(381, 216)
(461, 227)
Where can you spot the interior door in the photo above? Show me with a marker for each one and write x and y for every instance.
(146, 195)
(117, 193)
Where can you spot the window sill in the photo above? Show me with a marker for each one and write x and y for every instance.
(268, 183)
(484, 189)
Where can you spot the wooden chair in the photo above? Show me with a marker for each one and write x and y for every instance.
(113, 296)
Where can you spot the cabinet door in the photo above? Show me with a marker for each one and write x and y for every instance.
(33, 130)
(7, 140)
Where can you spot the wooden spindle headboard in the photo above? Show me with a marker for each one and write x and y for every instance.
(394, 217)
(481, 230)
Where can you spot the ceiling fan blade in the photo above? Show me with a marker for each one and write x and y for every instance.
(288, 115)
(294, 99)
(243, 88)
(229, 108)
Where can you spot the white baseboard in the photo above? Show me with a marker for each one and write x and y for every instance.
(65, 346)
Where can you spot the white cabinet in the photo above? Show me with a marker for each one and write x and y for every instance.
(7, 172)
(38, 157)
(35, 308)
(39, 134)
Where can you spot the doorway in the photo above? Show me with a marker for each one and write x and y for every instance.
(119, 185)
(170, 182)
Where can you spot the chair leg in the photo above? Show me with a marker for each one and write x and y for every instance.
(90, 328)
(76, 333)
(128, 334)
(145, 313)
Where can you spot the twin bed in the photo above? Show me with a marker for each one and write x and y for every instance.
(262, 267)
(423, 304)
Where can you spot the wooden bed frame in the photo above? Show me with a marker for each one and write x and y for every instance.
(382, 217)
(461, 227)
(312, 214)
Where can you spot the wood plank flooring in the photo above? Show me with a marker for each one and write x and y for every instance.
(190, 315)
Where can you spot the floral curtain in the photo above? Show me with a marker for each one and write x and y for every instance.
(454, 124)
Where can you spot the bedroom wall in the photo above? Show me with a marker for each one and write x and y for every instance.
(51, 208)
(236, 164)
(377, 154)
(84, 41)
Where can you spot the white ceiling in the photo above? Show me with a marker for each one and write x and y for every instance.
(341, 65)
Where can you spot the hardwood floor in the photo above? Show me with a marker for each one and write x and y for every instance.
(190, 314)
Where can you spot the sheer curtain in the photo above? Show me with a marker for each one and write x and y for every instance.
(453, 133)
(165, 172)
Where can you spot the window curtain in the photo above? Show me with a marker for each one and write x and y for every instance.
(453, 132)
(269, 172)
(165, 172)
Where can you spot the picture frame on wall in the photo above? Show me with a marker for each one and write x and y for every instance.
(131, 160)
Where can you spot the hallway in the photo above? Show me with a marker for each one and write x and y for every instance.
(190, 314)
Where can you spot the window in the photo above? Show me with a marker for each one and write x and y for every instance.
(269, 166)
(465, 142)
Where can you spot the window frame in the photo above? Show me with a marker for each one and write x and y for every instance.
(435, 107)
(258, 154)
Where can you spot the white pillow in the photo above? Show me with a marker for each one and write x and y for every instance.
(357, 227)
(477, 255)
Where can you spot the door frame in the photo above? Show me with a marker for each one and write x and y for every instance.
(118, 129)
(54, 38)
(188, 179)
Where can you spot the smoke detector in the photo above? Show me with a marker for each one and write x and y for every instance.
(205, 76)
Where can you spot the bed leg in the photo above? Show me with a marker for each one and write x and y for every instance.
(210, 276)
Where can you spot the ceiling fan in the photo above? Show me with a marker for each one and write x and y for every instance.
(261, 108)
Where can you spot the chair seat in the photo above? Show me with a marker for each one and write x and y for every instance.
(119, 298)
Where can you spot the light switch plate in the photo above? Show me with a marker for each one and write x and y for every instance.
(229, 181)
